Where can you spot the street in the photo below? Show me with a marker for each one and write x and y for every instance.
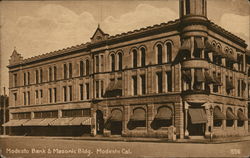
(30, 147)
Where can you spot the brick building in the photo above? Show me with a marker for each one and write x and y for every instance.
(4, 112)
(189, 74)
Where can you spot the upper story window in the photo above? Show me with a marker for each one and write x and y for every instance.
(169, 51)
(97, 64)
(55, 73)
(187, 6)
(87, 67)
(37, 76)
(65, 71)
(169, 81)
(81, 68)
(14, 80)
(159, 54)
(70, 70)
(143, 57)
(134, 79)
(134, 58)
(28, 78)
(143, 84)
(119, 61)
(240, 62)
(159, 82)
(50, 74)
(24, 78)
(112, 62)
(41, 75)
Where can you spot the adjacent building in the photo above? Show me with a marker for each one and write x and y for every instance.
(189, 74)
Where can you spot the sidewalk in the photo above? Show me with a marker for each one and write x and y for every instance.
(132, 139)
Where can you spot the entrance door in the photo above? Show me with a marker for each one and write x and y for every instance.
(116, 127)
(99, 122)
(196, 129)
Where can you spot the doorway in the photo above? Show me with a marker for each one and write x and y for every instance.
(99, 122)
(116, 127)
(197, 129)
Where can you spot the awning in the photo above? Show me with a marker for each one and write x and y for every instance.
(209, 47)
(199, 43)
(164, 113)
(229, 84)
(231, 57)
(241, 116)
(118, 85)
(209, 78)
(197, 115)
(218, 115)
(47, 121)
(116, 115)
(111, 85)
(217, 80)
(186, 45)
(80, 121)
(13, 123)
(139, 115)
(33, 122)
(62, 121)
(231, 116)
(199, 76)
(186, 75)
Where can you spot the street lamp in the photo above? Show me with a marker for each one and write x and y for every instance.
(211, 119)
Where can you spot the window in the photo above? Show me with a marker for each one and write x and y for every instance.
(112, 62)
(15, 80)
(96, 64)
(64, 71)
(36, 94)
(187, 7)
(70, 93)
(76, 113)
(143, 57)
(134, 58)
(97, 89)
(70, 70)
(37, 76)
(169, 52)
(159, 54)
(241, 118)
(143, 84)
(55, 73)
(87, 90)
(134, 78)
(169, 81)
(15, 96)
(163, 118)
(41, 75)
(81, 91)
(50, 74)
(41, 93)
(55, 95)
(102, 67)
(24, 79)
(28, 93)
(138, 119)
(120, 61)
(230, 118)
(46, 114)
(215, 86)
(102, 88)
(159, 82)
(65, 93)
(81, 68)
(24, 98)
(217, 116)
(28, 78)
(87, 67)
(50, 95)
(239, 91)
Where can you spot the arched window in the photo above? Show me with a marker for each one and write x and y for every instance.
(230, 117)
(134, 58)
(143, 57)
(218, 116)
(163, 118)
(138, 119)
(169, 52)
(120, 61)
(50, 74)
(81, 68)
(159, 54)
(55, 73)
(87, 67)
(112, 62)
(64, 71)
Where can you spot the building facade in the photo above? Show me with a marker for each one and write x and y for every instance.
(188, 74)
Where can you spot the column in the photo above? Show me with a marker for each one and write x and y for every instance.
(32, 115)
(203, 83)
(150, 117)
(209, 116)
(164, 80)
(125, 120)
(192, 47)
(203, 51)
(186, 105)
(192, 82)
(93, 122)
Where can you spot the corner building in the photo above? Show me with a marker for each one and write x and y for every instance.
(189, 74)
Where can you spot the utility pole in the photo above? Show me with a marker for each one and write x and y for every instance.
(4, 111)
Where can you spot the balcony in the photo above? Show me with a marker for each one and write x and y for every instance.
(195, 97)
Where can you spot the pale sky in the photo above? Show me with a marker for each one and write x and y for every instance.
(37, 27)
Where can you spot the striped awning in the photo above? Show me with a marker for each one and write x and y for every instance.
(231, 116)
(33, 122)
(80, 121)
(197, 115)
(62, 121)
(241, 116)
(14, 123)
(46, 121)
(218, 115)
(138, 115)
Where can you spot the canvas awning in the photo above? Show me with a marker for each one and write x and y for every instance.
(230, 115)
(199, 43)
(241, 116)
(62, 121)
(230, 57)
(116, 115)
(218, 115)
(186, 45)
(138, 115)
(13, 123)
(197, 115)
(199, 76)
(80, 121)
(217, 80)
(209, 78)
(164, 113)
(47, 121)
(229, 84)
(186, 75)
(110, 86)
(118, 85)
(33, 122)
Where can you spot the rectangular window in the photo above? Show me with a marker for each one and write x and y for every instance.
(86, 113)
(215, 86)
(102, 67)
(159, 82)
(239, 91)
(24, 79)
(41, 93)
(96, 64)
(50, 95)
(64, 71)
(143, 84)
(169, 81)
(134, 78)
(24, 98)
(28, 93)
(55, 73)
(81, 68)
(70, 70)
(41, 75)
(187, 7)
(97, 89)
(55, 95)
(70, 93)
(37, 77)
(81, 91)
(36, 94)
(64, 93)
(28, 78)
(102, 88)
(15, 80)
(50, 74)
(87, 90)
(15, 96)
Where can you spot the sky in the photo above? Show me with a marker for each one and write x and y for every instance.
(37, 27)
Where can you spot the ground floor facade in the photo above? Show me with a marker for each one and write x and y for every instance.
(162, 116)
